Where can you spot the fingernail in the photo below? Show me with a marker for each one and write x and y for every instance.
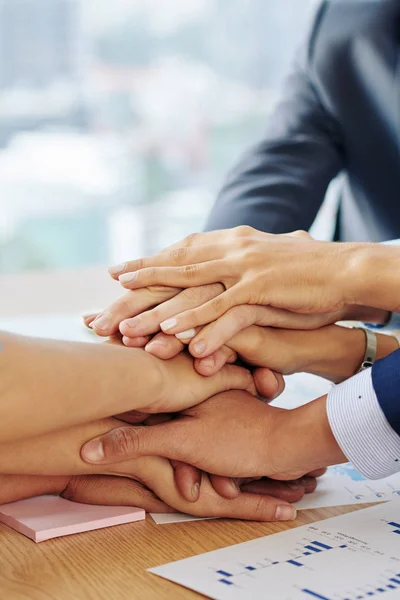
(117, 269)
(127, 277)
(234, 484)
(93, 451)
(132, 323)
(294, 486)
(195, 490)
(208, 363)
(168, 324)
(186, 335)
(285, 512)
(153, 344)
(199, 348)
(102, 321)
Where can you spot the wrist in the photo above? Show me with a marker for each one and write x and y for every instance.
(367, 276)
(304, 441)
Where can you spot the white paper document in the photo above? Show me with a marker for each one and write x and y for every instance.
(342, 485)
(351, 557)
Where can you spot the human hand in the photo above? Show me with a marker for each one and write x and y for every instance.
(307, 275)
(232, 434)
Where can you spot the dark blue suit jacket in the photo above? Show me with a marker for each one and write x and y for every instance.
(340, 111)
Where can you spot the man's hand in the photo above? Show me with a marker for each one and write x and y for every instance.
(232, 434)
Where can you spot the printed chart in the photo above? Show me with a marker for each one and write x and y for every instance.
(351, 557)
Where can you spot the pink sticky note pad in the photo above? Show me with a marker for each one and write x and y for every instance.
(48, 517)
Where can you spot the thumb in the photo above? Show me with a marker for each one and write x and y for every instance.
(124, 443)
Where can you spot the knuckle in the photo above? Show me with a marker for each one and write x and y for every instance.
(244, 230)
(178, 255)
(217, 304)
(259, 511)
(190, 239)
(125, 441)
(190, 271)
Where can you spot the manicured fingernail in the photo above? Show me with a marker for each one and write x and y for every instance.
(186, 335)
(102, 321)
(168, 324)
(199, 348)
(117, 269)
(93, 451)
(285, 512)
(208, 362)
(195, 490)
(127, 277)
(153, 344)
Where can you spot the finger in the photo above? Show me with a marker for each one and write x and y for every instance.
(149, 322)
(214, 363)
(227, 487)
(130, 305)
(169, 440)
(310, 484)
(187, 480)
(221, 331)
(317, 473)
(113, 491)
(175, 256)
(164, 346)
(254, 507)
(158, 419)
(139, 342)
(207, 313)
(88, 319)
(191, 275)
(132, 417)
(268, 384)
(290, 491)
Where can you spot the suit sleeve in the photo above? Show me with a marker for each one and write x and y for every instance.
(364, 415)
(280, 184)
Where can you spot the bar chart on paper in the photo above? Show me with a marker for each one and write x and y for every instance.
(351, 557)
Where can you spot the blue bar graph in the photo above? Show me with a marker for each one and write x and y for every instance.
(313, 549)
(395, 580)
(224, 573)
(307, 553)
(380, 590)
(395, 525)
(314, 594)
(321, 545)
(391, 587)
(295, 563)
(251, 568)
(226, 581)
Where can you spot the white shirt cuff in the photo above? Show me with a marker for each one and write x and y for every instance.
(361, 429)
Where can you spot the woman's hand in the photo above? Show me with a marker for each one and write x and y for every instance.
(292, 272)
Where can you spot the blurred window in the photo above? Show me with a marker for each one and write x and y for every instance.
(119, 119)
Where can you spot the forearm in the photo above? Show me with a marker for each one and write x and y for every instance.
(50, 385)
(56, 453)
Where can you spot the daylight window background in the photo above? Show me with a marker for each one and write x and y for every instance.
(120, 118)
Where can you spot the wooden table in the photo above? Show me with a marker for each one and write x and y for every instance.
(110, 564)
